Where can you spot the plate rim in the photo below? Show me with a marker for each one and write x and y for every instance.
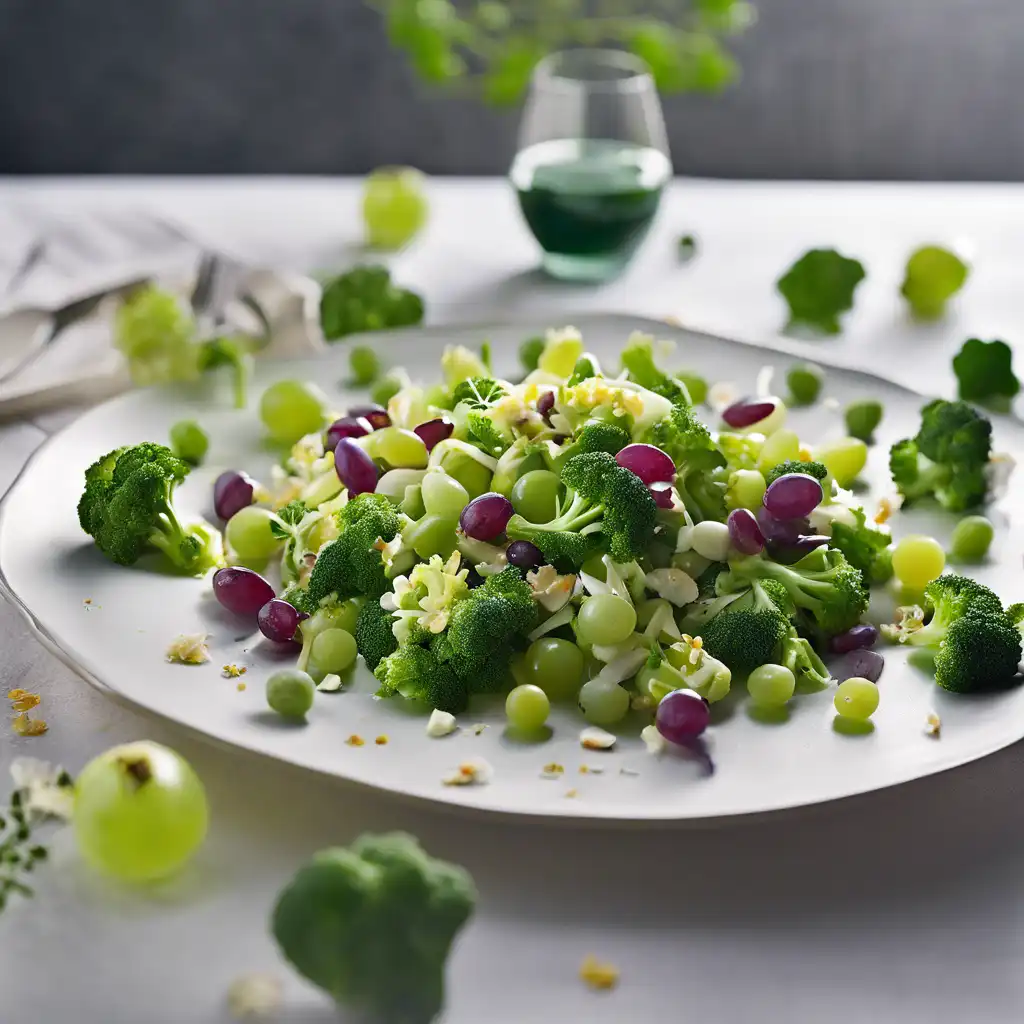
(546, 817)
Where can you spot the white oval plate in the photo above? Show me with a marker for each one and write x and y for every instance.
(113, 625)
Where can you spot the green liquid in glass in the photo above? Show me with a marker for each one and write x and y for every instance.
(589, 202)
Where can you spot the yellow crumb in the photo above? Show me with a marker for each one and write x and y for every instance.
(933, 726)
(571, 794)
(804, 454)
(25, 726)
(597, 975)
(884, 511)
(673, 321)
(88, 600)
(240, 687)
(381, 740)
(584, 769)
(355, 740)
(552, 769)
(233, 671)
(26, 702)
(15, 694)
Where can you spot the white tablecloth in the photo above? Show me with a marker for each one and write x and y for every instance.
(905, 905)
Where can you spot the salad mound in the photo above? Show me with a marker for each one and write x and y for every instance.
(587, 535)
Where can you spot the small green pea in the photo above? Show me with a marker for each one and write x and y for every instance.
(364, 364)
(804, 381)
(971, 539)
(862, 418)
(290, 692)
(686, 247)
(189, 441)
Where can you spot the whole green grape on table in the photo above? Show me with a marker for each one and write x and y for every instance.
(587, 535)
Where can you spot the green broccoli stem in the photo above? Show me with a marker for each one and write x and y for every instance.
(241, 369)
(171, 538)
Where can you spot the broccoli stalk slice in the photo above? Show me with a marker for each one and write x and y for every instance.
(180, 545)
(803, 661)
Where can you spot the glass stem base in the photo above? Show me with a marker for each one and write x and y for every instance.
(583, 269)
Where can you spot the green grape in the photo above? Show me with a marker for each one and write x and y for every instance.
(189, 441)
(290, 692)
(746, 490)
(605, 619)
(771, 685)
(517, 666)
(432, 535)
(397, 447)
(140, 812)
(933, 276)
(394, 206)
(395, 482)
(691, 562)
(385, 389)
(475, 477)
(862, 418)
(529, 353)
(804, 381)
(781, 446)
(535, 495)
(291, 409)
(917, 560)
(443, 495)
(971, 539)
(856, 698)
(556, 666)
(844, 459)
(527, 708)
(603, 704)
(412, 501)
(364, 364)
(344, 615)
(333, 650)
(249, 535)
(695, 385)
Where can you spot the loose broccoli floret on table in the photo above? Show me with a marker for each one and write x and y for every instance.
(364, 299)
(414, 672)
(127, 508)
(865, 548)
(372, 924)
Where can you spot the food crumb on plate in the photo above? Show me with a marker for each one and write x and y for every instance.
(189, 649)
(330, 683)
(355, 740)
(654, 741)
(440, 723)
(587, 769)
(477, 729)
(571, 794)
(233, 671)
(254, 995)
(598, 975)
(552, 770)
(933, 726)
(240, 687)
(381, 740)
(25, 725)
(631, 772)
(475, 772)
(593, 738)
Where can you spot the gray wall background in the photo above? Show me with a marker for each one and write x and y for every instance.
(927, 89)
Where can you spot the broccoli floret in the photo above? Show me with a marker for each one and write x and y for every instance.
(948, 457)
(351, 564)
(638, 362)
(127, 508)
(601, 496)
(155, 332)
(951, 597)
(593, 436)
(1015, 613)
(981, 651)
(984, 372)
(364, 299)
(491, 615)
(490, 675)
(822, 585)
(372, 925)
(701, 476)
(415, 673)
(745, 639)
(802, 660)
(374, 637)
(815, 469)
(865, 548)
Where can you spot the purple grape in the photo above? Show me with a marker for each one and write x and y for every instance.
(793, 496)
(744, 532)
(376, 415)
(781, 531)
(651, 464)
(545, 404)
(241, 590)
(355, 469)
(681, 717)
(662, 494)
(748, 411)
(347, 426)
(278, 620)
(232, 491)
(524, 555)
(864, 664)
(474, 579)
(854, 639)
(433, 432)
(793, 551)
(486, 517)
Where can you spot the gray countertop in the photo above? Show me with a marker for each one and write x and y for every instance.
(905, 905)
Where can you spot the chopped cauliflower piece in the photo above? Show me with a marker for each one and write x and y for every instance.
(933, 726)
(189, 649)
(550, 590)
(254, 995)
(440, 723)
(593, 738)
(330, 683)
(675, 585)
(653, 740)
